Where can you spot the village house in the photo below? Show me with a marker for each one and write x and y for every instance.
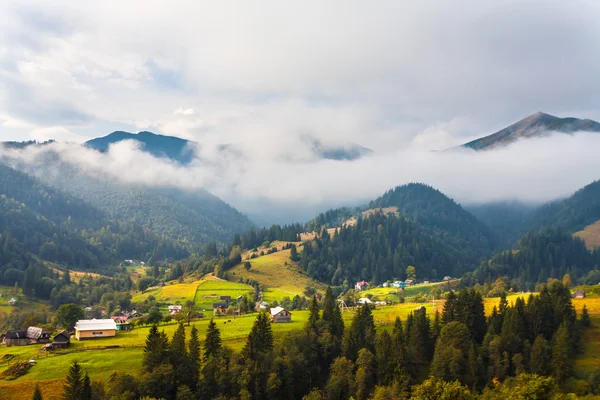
(23, 337)
(175, 309)
(280, 314)
(12, 301)
(361, 285)
(225, 299)
(220, 308)
(447, 278)
(409, 282)
(364, 300)
(578, 294)
(263, 306)
(61, 341)
(95, 328)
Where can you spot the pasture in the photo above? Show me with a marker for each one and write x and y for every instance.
(385, 294)
(210, 291)
(281, 276)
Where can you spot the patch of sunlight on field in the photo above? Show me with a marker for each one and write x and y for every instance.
(210, 292)
(277, 271)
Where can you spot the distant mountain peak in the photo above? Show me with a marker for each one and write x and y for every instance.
(171, 147)
(538, 124)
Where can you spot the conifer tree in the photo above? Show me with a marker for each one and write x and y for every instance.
(585, 320)
(37, 393)
(194, 358)
(450, 308)
(260, 339)
(313, 317)
(178, 355)
(212, 343)
(561, 363)
(365, 374)
(156, 351)
(332, 315)
(361, 333)
(86, 392)
(73, 387)
(539, 358)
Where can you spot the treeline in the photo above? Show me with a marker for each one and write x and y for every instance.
(254, 238)
(521, 350)
(379, 248)
(551, 253)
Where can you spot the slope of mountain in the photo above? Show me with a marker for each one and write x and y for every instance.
(505, 219)
(172, 147)
(346, 152)
(535, 125)
(572, 214)
(54, 226)
(432, 209)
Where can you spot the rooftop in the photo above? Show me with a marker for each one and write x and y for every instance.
(93, 324)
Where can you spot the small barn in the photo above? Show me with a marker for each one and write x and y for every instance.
(409, 282)
(280, 314)
(61, 341)
(578, 294)
(16, 338)
(225, 299)
(124, 326)
(12, 301)
(364, 300)
(175, 309)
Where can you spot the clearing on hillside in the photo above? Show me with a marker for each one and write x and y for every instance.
(210, 292)
(170, 293)
(279, 274)
(590, 235)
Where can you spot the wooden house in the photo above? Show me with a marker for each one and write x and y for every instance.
(95, 328)
(23, 337)
(220, 308)
(578, 294)
(280, 314)
(61, 341)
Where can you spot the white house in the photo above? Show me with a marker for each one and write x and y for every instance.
(95, 328)
(364, 300)
(175, 309)
(361, 285)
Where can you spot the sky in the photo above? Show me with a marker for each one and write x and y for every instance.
(401, 78)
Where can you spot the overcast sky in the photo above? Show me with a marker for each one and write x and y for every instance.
(401, 78)
(389, 75)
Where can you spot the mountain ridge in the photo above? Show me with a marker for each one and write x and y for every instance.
(535, 125)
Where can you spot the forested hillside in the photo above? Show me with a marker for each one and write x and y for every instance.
(572, 214)
(431, 209)
(538, 256)
(504, 219)
(381, 247)
(57, 227)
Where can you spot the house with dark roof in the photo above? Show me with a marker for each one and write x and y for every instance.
(578, 294)
(61, 341)
(220, 308)
(23, 337)
(225, 299)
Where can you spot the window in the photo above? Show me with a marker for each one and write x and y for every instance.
(97, 333)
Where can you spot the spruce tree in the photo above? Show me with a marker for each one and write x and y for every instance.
(260, 339)
(212, 343)
(585, 320)
(178, 355)
(86, 392)
(73, 387)
(313, 317)
(450, 308)
(37, 393)
(156, 351)
(561, 363)
(539, 358)
(365, 377)
(194, 358)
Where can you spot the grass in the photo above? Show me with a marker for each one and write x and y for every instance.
(210, 291)
(281, 276)
(383, 294)
(590, 235)
(590, 357)
(170, 293)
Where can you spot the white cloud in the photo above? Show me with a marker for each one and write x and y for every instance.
(184, 111)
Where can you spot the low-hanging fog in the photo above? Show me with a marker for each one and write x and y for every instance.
(276, 188)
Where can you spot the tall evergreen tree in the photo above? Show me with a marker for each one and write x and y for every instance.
(212, 343)
(332, 315)
(156, 351)
(540, 357)
(194, 358)
(313, 317)
(260, 339)
(179, 356)
(561, 363)
(86, 391)
(449, 313)
(73, 387)
(361, 333)
(365, 377)
(585, 320)
(37, 393)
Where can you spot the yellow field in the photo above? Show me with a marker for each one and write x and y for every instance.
(590, 235)
(277, 271)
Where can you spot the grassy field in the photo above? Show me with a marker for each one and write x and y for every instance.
(279, 274)
(170, 293)
(383, 294)
(590, 235)
(210, 291)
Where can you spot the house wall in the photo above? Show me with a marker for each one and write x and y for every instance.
(282, 317)
(17, 342)
(94, 334)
